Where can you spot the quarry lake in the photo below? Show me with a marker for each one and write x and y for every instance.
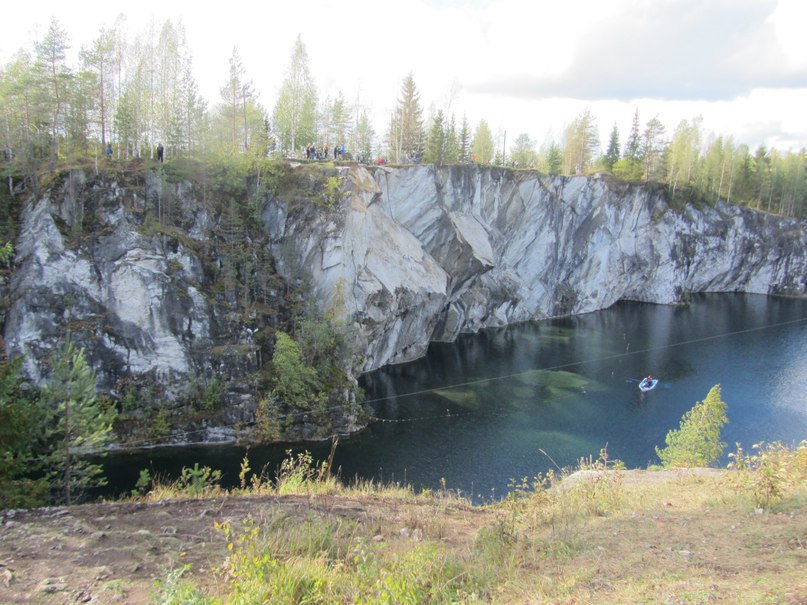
(507, 403)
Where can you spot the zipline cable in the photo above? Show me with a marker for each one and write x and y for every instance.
(582, 362)
(482, 381)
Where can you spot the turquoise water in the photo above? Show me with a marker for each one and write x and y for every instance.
(507, 403)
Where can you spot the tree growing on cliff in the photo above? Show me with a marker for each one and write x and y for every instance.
(53, 78)
(406, 126)
(295, 111)
(436, 148)
(697, 441)
(79, 424)
(293, 383)
(239, 119)
(482, 147)
(611, 156)
(523, 152)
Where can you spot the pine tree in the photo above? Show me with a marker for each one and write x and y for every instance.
(464, 141)
(80, 424)
(581, 144)
(435, 151)
(53, 77)
(554, 159)
(99, 58)
(652, 150)
(362, 140)
(633, 143)
(21, 430)
(451, 153)
(405, 135)
(238, 114)
(611, 156)
(697, 440)
(338, 123)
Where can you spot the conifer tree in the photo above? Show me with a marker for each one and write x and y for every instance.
(611, 156)
(464, 141)
(435, 152)
(99, 58)
(451, 152)
(53, 77)
(362, 139)
(697, 441)
(652, 150)
(21, 428)
(80, 424)
(405, 135)
(581, 144)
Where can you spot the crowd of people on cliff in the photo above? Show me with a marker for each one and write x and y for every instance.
(312, 152)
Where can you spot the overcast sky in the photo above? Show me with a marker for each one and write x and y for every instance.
(526, 66)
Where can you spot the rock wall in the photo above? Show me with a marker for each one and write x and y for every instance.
(408, 255)
(416, 254)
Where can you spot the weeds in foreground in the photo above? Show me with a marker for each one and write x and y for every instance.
(770, 471)
(596, 535)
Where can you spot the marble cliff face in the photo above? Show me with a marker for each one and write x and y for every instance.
(404, 255)
(421, 254)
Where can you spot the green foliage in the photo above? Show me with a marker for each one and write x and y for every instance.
(294, 115)
(697, 441)
(405, 135)
(80, 424)
(482, 147)
(177, 591)
(6, 253)
(770, 471)
(196, 482)
(206, 395)
(293, 383)
(332, 193)
(298, 474)
(315, 560)
(21, 429)
(160, 425)
(267, 419)
(143, 484)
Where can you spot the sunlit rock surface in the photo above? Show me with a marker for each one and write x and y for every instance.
(416, 254)
(406, 256)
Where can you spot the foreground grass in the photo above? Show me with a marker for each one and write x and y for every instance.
(602, 535)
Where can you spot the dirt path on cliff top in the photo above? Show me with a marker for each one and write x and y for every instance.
(113, 553)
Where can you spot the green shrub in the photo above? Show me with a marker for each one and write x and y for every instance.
(697, 441)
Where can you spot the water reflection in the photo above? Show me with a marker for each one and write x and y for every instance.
(498, 405)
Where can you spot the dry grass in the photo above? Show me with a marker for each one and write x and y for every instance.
(599, 536)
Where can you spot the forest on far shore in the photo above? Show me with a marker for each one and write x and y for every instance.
(127, 95)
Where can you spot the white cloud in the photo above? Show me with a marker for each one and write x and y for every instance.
(524, 65)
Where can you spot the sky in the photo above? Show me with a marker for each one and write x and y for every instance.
(525, 66)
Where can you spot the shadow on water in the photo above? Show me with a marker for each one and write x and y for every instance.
(489, 404)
